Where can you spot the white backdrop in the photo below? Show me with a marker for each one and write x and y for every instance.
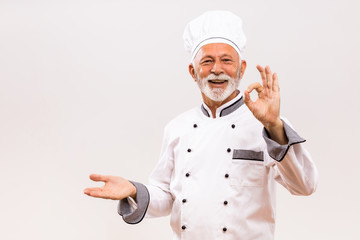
(87, 86)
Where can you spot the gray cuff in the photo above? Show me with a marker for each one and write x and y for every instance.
(277, 151)
(142, 199)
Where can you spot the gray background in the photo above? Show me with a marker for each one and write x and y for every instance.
(87, 86)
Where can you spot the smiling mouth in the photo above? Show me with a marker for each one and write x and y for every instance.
(217, 82)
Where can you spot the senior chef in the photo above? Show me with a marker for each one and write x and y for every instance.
(219, 162)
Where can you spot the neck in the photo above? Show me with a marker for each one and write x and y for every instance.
(213, 105)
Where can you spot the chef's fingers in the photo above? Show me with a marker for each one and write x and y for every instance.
(247, 100)
(98, 178)
(269, 79)
(96, 192)
(89, 191)
(276, 87)
(262, 74)
(257, 86)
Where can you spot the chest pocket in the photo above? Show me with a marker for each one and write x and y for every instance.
(247, 168)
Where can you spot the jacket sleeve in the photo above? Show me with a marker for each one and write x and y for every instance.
(133, 211)
(292, 163)
(161, 199)
(154, 199)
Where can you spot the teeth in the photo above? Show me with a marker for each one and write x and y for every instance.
(217, 81)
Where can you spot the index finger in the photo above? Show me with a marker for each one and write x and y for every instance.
(257, 86)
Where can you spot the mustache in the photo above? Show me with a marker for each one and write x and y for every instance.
(222, 77)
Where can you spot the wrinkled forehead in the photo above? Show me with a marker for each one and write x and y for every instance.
(216, 50)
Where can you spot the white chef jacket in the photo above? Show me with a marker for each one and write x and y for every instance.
(216, 176)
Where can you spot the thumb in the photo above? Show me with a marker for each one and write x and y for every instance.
(99, 178)
(247, 100)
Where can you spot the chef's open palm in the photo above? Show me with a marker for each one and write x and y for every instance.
(115, 188)
(266, 108)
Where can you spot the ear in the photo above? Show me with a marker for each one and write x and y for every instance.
(192, 71)
(242, 67)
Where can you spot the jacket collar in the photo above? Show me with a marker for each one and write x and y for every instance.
(226, 108)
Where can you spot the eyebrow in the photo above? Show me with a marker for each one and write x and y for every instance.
(209, 56)
(226, 55)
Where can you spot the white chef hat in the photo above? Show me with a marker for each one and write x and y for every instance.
(214, 27)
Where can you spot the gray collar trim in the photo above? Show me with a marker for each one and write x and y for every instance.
(205, 112)
(226, 111)
(232, 107)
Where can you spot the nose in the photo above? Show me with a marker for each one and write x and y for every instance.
(217, 68)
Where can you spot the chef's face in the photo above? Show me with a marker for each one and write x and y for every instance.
(217, 70)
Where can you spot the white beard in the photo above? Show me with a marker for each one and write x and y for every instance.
(218, 94)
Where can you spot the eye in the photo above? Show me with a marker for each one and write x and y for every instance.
(227, 60)
(207, 61)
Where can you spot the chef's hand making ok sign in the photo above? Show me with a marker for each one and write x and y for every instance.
(266, 108)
